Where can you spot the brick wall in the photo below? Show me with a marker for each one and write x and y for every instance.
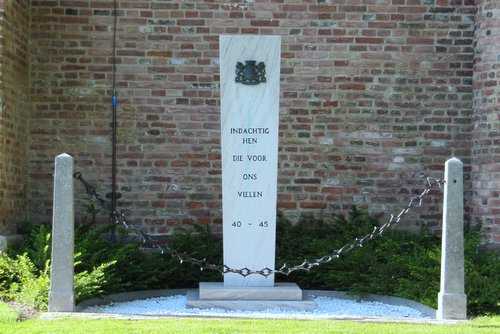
(373, 94)
(70, 76)
(14, 108)
(486, 134)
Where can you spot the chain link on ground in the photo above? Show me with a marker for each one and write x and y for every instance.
(118, 218)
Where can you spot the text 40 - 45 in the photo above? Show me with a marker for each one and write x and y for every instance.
(260, 223)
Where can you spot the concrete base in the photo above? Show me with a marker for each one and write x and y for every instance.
(61, 302)
(286, 296)
(9, 240)
(451, 306)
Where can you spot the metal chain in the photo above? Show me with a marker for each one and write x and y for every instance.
(119, 219)
(377, 232)
(90, 190)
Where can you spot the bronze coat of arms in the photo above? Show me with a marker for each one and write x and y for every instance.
(250, 73)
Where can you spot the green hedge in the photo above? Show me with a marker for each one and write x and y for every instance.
(399, 263)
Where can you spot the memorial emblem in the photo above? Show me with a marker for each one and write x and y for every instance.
(250, 73)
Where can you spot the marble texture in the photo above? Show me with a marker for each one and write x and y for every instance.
(61, 293)
(452, 301)
(249, 141)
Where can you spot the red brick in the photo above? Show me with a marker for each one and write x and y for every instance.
(357, 95)
(159, 53)
(352, 86)
(264, 23)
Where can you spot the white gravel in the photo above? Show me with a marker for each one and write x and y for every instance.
(326, 307)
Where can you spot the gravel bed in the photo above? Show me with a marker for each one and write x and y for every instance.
(326, 307)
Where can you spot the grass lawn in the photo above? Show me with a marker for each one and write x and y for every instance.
(8, 324)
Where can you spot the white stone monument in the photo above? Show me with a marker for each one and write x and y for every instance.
(249, 140)
(250, 81)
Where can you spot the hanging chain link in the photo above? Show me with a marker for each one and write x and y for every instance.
(119, 219)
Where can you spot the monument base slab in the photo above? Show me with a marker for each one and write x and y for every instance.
(451, 306)
(285, 296)
(280, 291)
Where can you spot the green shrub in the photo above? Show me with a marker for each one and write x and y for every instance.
(482, 275)
(90, 284)
(134, 269)
(102, 266)
(33, 285)
(399, 263)
(29, 272)
(7, 273)
(25, 278)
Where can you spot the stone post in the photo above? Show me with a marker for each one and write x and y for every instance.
(452, 302)
(61, 294)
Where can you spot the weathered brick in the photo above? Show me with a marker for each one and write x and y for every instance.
(14, 113)
(362, 92)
